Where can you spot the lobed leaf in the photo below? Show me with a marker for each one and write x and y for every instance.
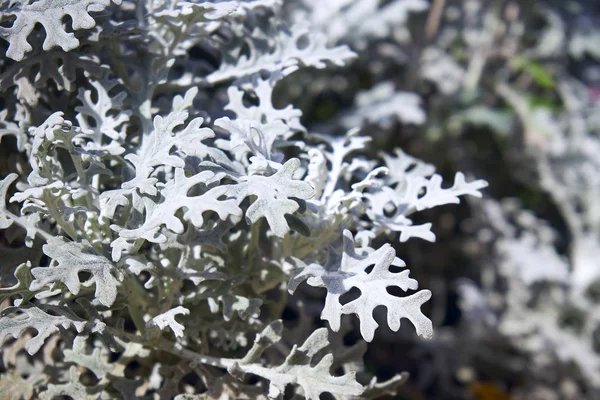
(49, 14)
(348, 270)
(14, 321)
(273, 196)
(68, 259)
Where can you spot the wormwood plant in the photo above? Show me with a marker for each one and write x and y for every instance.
(160, 208)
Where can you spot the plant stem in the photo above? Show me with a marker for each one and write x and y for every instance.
(25, 225)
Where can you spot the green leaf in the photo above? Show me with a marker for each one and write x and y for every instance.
(538, 73)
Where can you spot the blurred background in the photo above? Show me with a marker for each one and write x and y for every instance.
(506, 91)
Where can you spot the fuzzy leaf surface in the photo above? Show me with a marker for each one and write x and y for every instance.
(71, 258)
(347, 270)
(49, 14)
(297, 369)
(273, 196)
(16, 320)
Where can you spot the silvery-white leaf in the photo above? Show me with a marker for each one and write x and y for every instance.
(167, 319)
(276, 195)
(15, 320)
(254, 137)
(5, 220)
(101, 112)
(381, 104)
(34, 73)
(346, 270)
(48, 13)
(264, 111)
(297, 369)
(358, 21)
(441, 69)
(97, 361)
(416, 188)
(8, 127)
(174, 197)
(281, 51)
(71, 258)
(72, 388)
(583, 42)
(241, 305)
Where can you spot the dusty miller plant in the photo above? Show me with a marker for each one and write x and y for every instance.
(160, 208)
